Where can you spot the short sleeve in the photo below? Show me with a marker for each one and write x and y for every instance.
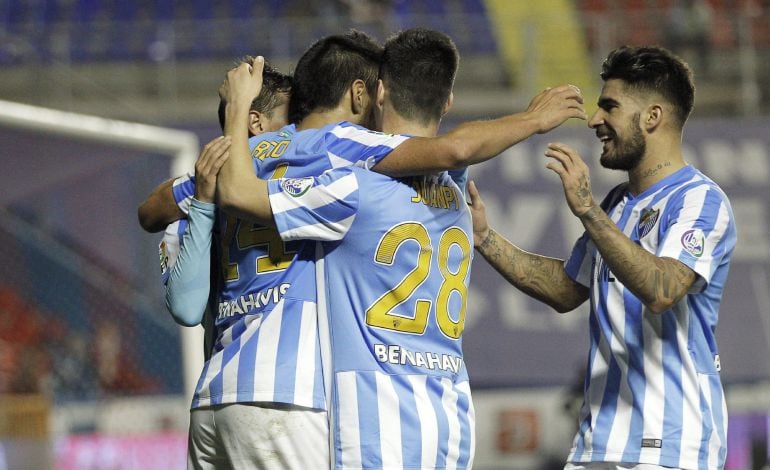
(699, 232)
(183, 190)
(315, 208)
(347, 144)
(578, 265)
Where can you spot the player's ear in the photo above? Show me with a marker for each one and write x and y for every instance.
(448, 104)
(652, 117)
(358, 97)
(255, 122)
(380, 94)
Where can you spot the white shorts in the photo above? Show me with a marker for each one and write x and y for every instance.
(614, 466)
(258, 435)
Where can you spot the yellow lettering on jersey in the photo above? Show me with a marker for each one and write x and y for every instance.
(434, 195)
(269, 149)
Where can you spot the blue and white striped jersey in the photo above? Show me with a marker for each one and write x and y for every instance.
(266, 346)
(653, 391)
(394, 270)
(183, 189)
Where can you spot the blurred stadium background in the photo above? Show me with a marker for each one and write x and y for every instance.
(92, 369)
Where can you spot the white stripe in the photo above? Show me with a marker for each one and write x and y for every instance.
(267, 350)
(330, 231)
(704, 264)
(713, 442)
(349, 438)
(428, 421)
(317, 196)
(337, 162)
(654, 384)
(215, 366)
(599, 369)
(367, 138)
(692, 418)
(324, 339)
(230, 370)
(621, 421)
(304, 379)
(449, 402)
(465, 389)
(390, 422)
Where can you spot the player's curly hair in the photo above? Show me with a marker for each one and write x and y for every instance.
(418, 68)
(274, 84)
(328, 68)
(654, 69)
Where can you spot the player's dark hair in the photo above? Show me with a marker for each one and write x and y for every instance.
(654, 69)
(328, 68)
(274, 84)
(418, 68)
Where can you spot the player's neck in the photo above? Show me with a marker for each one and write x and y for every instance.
(318, 119)
(394, 124)
(662, 158)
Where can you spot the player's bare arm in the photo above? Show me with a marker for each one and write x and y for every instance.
(540, 277)
(239, 191)
(659, 282)
(477, 141)
(159, 209)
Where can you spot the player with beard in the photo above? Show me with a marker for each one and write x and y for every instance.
(653, 261)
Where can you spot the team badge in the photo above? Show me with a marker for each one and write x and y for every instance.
(296, 187)
(693, 242)
(647, 221)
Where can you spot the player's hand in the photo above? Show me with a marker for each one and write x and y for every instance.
(573, 172)
(553, 106)
(479, 215)
(243, 83)
(207, 167)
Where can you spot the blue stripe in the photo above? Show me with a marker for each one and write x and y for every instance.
(673, 395)
(233, 350)
(329, 213)
(634, 338)
(435, 392)
(463, 409)
(411, 448)
(198, 387)
(354, 151)
(288, 347)
(607, 411)
(716, 408)
(369, 420)
(248, 351)
(586, 417)
(183, 190)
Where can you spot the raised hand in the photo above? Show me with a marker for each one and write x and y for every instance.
(573, 172)
(553, 106)
(212, 157)
(243, 83)
(479, 214)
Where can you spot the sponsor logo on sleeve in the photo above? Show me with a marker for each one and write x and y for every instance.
(296, 187)
(693, 242)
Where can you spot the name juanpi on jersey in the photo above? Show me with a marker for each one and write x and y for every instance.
(436, 195)
(251, 301)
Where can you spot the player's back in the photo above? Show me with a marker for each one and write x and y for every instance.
(397, 291)
(266, 323)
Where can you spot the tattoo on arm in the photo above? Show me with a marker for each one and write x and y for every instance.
(658, 282)
(538, 276)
